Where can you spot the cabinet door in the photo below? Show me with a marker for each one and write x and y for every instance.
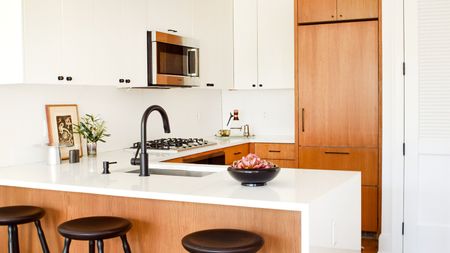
(236, 153)
(108, 42)
(316, 10)
(276, 26)
(213, 28)
(134, 38)
(369, 209)
(357, 9)
(338, 82)
(245, 44)
(173, 15)
(77, 44)
(42, 41)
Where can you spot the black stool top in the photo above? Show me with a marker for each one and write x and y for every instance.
(223, 241)
(15, 215)
(94, 228)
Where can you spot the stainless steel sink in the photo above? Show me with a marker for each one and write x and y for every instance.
(178, 173)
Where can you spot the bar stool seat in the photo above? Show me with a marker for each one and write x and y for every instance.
(97, 228)
(223, 241)
(12, 216)
(20, 214)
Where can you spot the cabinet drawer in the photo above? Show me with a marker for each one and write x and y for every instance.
(284, 163)
(355, 159)
(235, 153)
(275, 151)
(369, 210)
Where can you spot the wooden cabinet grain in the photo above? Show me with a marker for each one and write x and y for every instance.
(369, 211)
(338, 80)
(235, 153)
(314, 11)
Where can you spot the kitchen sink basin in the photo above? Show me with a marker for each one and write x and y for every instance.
(178, 173)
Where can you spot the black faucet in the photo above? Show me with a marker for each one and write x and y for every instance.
(143, 160)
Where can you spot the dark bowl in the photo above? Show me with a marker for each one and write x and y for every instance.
(253, 177)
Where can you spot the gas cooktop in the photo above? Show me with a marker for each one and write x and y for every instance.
(174, 144)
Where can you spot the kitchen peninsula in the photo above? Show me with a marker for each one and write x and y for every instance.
(291, 212)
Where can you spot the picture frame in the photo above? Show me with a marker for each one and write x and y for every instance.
(60, 121)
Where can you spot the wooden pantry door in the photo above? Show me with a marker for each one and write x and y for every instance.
(338, 82)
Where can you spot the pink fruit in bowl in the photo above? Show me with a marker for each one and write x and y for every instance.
(252, 161)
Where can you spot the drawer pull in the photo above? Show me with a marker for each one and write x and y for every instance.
(274, 151)
(337, 153)
(237, 153)
(303, 120)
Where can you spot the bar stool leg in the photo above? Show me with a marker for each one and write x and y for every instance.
(10, 239)
(41, 236)
(15, 234)
(100, 246)
(91, 246)
(126, 246)
(67, 242)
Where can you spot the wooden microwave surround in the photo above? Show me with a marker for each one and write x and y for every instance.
(318, 11)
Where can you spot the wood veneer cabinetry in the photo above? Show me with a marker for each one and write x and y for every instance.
(283, 155)
(313, 11)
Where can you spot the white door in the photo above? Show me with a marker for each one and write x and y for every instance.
(134, 47)
(213, 29)
(245, 44)
(77, 40)
(108, 40)
(42, 41)
(427, 126)
(276, 26)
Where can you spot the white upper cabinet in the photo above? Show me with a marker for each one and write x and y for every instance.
(173, 16)
(77, 41)
(11, 68)
(42, 26)
(245, 44)
(264, 44)
(213, 28)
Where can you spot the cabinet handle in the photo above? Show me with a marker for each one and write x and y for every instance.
(260, 85)
(332, 16)
(172, 30)
(303, 119)
(127, 81)
(274, 151)
(69, 78)
(237, 153)
(253, 85)
(209, 85)
(60, 78)
(121, 80)
(337, 153)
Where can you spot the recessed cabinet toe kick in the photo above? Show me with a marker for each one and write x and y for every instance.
(291, 213)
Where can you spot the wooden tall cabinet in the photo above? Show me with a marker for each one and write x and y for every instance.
(311, 11)
(338, 104)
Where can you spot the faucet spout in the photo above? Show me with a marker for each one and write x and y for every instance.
(143, 161)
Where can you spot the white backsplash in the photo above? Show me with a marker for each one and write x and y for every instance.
(23, 128)
(268, 112)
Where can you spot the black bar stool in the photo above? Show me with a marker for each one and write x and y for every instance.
(12, 216)
(95, 229)
(223, 241)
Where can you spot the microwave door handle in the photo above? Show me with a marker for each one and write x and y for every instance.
(196, 63)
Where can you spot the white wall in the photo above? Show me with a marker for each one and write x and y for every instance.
(268, 112)
(23, 129)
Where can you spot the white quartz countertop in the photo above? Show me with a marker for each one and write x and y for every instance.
(292, 189)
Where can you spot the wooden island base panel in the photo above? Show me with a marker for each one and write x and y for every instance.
(158, 226)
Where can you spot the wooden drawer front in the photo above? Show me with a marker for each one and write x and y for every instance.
(357, 9)
(284, 163)
(275, 151)
(235, 153)
(355, 159)
(369, 208)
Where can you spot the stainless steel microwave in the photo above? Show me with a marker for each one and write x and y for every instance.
(173, 61)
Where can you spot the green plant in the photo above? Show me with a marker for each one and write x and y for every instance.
(92, 128)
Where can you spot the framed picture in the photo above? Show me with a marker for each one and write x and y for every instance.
(60, 120)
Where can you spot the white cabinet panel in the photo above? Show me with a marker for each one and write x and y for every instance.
(245, 44)
(11, 68)
(107, 42)
(213, 28)
(77, 40)
(276, 43)
(134, 36)
(171, 15)
(42, 41)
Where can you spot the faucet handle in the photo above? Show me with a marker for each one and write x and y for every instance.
(135, 161)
